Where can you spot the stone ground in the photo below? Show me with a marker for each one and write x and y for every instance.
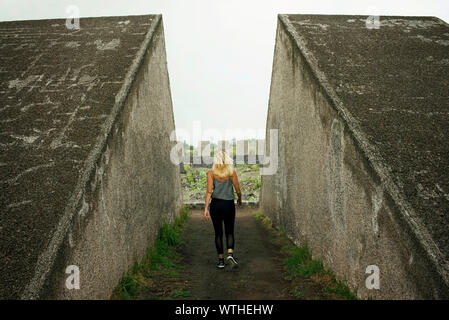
(260, 275)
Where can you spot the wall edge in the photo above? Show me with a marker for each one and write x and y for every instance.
(33, 289)
(369, 152)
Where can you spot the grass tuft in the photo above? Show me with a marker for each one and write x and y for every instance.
(342, 290)
(156, 259)
(300, 262)
(297, 293)
(181, 294)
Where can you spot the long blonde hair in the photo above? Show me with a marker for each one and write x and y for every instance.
(222, 166)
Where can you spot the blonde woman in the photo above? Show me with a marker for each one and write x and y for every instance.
(220, 182)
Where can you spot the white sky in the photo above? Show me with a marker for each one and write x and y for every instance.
(219, 52)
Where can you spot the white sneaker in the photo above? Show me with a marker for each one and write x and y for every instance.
(232, 260)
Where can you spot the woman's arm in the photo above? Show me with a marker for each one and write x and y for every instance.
(235, 182)
(208, 194)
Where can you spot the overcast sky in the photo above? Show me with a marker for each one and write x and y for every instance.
(219, 52)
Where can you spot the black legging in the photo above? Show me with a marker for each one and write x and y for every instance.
(223, 211)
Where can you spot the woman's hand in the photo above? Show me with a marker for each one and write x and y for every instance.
(206, 214)
(239, 198)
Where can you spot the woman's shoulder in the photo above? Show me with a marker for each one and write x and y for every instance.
(210, 173)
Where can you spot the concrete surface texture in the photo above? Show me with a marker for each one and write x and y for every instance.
(363, 120)
(86, 176)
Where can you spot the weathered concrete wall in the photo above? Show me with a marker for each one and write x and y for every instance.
(330, 190)
(128, 186)
(135, 187)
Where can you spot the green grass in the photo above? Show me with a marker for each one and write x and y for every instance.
(299, 262)
(157, 259)
(342, 290)
(194, 182)
(196, 178)
(181, 294)
(129, 286)
(265, 220)
(297, 293)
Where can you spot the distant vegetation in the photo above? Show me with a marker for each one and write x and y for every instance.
(194, 182)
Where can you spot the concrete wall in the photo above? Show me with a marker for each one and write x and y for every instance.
(132, 190)
(326, 194)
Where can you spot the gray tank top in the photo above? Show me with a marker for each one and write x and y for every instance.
(223, 190)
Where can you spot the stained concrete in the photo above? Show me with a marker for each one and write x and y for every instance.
(86, 177)
(363, 121)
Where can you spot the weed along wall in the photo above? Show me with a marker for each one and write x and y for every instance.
(361, 173)
(89, 192)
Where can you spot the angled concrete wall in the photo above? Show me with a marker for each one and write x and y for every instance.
(340, 186)
(126, 187)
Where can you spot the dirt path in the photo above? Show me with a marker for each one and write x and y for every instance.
(260, 272)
